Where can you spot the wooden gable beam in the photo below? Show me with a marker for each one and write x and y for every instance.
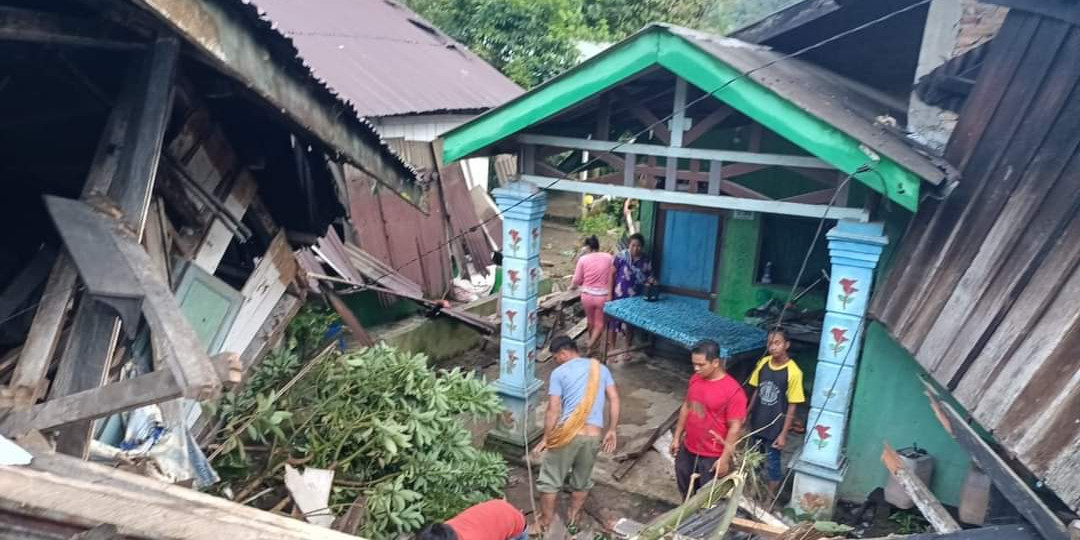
(726, 156)
(698, 199)
(28, 26)
(706, 124)
(644, 115)
(814, 197)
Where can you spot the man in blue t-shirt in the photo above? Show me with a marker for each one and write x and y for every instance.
(573, 437)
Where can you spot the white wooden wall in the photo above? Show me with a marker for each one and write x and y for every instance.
(425, 127)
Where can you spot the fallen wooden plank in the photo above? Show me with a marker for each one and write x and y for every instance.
(69, 491)
(348, 317)
(756, 528)
(95, 403)
(761, 514)
(631, 458)
(557, 300)
(1026, 502)
(931, 508)
(574, 332)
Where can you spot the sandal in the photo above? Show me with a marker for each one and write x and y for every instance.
(572, 529)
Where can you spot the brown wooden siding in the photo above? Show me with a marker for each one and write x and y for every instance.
(987, 298)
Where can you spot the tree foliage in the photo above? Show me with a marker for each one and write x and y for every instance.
(531, 41)
(613, 20)
(528, 40)
(391, 429)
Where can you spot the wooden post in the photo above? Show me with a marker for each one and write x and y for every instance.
(629, 164)
(716, 176)
(84, 364)
(928, 504)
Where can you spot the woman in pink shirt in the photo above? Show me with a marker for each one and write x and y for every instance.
(593, 276)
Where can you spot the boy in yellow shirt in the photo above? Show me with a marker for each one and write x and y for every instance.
(778, 388)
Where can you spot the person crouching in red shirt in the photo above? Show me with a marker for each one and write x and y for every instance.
(711, 419)
(492, 520)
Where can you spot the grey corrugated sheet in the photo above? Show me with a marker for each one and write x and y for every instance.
(821, 94)
(385, 59)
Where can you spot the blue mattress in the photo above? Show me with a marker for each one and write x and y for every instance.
(686, 321)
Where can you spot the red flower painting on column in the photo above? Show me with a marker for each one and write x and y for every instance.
(848, 290)
(510, 314)
(515, 240)
(839, 338)
(823, 436)
(515, 278)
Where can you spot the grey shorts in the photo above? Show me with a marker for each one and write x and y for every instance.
(571, 465)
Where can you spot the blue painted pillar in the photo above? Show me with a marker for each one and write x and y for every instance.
(854, 250)
(522, 206)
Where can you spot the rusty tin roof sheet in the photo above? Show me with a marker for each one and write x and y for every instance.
(387, 60)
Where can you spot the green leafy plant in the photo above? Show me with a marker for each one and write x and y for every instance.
(391, 429)
(598, 224)
(909, 523)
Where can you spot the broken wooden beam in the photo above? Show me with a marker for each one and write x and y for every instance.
(95, 403)
(1026, 502)
(931, 508)
(631, 458)
(758, 529)
(574, 332)
(348, 317)
(74, 493)
(185, 354)
(761, 514)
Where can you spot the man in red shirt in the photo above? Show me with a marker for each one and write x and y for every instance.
(711, 418)
(492, 520)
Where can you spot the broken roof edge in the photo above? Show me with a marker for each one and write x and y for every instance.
(229, 35)
(896, 171)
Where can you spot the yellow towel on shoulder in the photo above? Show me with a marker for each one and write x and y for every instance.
(566, 431)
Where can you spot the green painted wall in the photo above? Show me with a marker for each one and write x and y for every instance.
(889, 405)
(736, 283)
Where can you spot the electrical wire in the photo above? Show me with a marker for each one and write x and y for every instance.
(631, 140)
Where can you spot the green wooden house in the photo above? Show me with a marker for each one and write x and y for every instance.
(744, 160)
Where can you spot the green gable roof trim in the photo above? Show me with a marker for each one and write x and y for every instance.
(810, 107)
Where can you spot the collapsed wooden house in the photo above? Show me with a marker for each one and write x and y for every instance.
(162, 159)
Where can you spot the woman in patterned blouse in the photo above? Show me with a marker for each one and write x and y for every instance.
(632, 271)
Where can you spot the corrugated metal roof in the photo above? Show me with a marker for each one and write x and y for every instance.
(385, 59)
(822, 94)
